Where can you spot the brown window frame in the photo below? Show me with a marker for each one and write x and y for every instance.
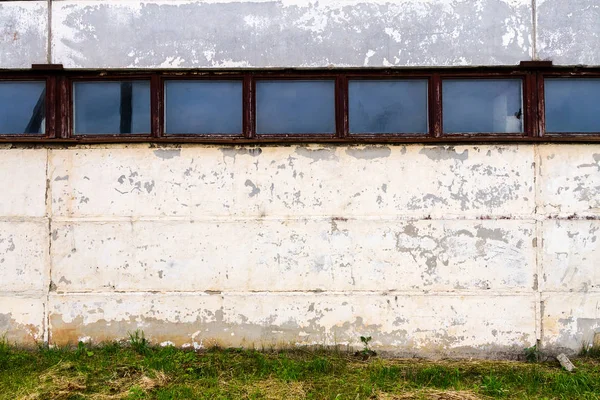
(431, 121)
(59, 104)
(50, 105)
(68, 117)
(527, 104)
(574, 74)
(316, 136)
(163, 78)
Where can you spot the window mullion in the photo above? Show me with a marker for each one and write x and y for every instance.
(435, 106)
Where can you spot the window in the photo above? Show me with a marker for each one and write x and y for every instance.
(482, 106)
(203, 107)
(572, 105)
(22, 107)
(533, 102)
(295, 107)
(111, 107)
(387, 106)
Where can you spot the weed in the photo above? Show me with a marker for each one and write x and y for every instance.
(492, 385)
(532, 354)
(138, 342)
(4, 346)
(82, 349)
(590, 350)
(366, 352)
(4, 353)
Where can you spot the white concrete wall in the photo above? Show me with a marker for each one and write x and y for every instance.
(432, 250)
(469, 250)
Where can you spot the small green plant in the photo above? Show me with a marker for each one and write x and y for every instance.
(138, 342)
(366, 352)
(83, 349)
(492, 385)
(532, 354)
(4, 346)
(4, 353)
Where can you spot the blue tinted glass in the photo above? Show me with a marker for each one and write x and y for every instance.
(22, 107)
(387, 106)
(482, 106)
(572, 105)
(295, 107)
(203, 107)
(112, 107)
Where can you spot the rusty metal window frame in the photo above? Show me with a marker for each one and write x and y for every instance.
(574, 73)
(164, 77)
(50, 105)
(526, 101)
(295, 76)
(59, 104)
(67, 106)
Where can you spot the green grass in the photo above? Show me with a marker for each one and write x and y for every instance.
(140, 371)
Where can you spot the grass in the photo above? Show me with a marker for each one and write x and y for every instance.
(589, 350)
(140, 371)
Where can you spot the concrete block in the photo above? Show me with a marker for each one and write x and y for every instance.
(23, 33)
(568, 32)
(23, 183)
(22, 319)
(569, 320)
(24, 258)
(569, 179)
(297, 255)
(306, 33)
(421, 325)
(344, 181)
(571, 252)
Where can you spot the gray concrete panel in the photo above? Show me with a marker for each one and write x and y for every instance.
(215, 34)
(23, 33)
(568, 32)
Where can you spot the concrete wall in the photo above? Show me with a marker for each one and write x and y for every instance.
(432, 250)
(297, 33)
(469, 250)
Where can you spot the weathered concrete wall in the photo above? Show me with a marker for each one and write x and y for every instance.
(432, 250)
(23, 33)
(469, 250)
(297, 33)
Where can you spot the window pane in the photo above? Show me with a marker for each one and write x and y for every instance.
(112, 107)
(387, 106)
(22, 107)
(482, 106)
(295, 107)
(572, 105)
(203, 107)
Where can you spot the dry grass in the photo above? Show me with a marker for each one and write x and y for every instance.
(126, 372)
(432, 395)
(62, 381)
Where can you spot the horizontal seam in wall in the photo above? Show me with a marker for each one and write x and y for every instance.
(301, 293)
(11, 218)
(316, 218)
(337, 218)
(36, 294)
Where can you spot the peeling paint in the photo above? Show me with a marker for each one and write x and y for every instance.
(417, 246)
(369, 153)
(167, 154)
(317, 154)
(290, 320)
(291, 33)
(444, 153)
